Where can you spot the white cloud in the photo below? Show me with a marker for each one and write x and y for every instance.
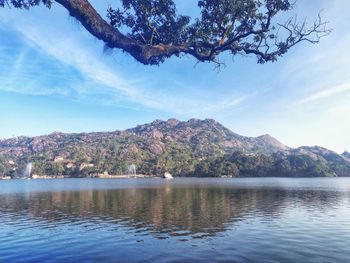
(327, 93)
(83, 53)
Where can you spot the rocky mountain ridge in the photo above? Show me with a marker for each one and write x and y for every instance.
(185, 148)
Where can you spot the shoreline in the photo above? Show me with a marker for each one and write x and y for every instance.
(99, 176)
(142, 176)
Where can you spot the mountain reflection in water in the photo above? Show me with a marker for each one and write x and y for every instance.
(203, 210)
(188, 211)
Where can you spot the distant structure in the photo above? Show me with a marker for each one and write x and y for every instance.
(168, 175)
(131, 170)
(86, 165)
(59, 159)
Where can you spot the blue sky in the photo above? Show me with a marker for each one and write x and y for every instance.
(54, 76)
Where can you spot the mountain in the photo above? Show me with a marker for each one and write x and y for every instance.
(346, 155)
(206, 137)
(184, 148)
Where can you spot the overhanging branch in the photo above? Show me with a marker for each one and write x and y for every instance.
(243, 28)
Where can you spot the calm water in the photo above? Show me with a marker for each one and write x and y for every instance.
(180, 220)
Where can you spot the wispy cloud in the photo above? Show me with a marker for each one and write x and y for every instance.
(327, 93)
(82, 54)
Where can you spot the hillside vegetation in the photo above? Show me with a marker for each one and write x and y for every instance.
(191, 148)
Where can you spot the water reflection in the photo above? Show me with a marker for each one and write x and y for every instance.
(189, 211)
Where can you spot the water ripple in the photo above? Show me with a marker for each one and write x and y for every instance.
(235, 221)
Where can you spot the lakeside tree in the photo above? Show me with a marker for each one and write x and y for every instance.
(152, 30)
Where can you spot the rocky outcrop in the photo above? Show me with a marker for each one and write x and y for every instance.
(180, 147)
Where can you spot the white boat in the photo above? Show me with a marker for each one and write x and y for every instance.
(168, 175)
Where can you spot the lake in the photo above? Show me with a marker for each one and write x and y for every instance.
(179, 220)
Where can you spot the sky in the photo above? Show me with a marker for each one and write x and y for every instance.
(55, 76)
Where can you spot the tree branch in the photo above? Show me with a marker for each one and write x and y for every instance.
(157, 32)
(83, 11)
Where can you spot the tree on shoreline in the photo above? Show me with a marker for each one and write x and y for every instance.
(152, 30)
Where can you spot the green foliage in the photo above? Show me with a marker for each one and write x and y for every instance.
(193, 148)
(237, 26)
(153, 30)
(262, 165)
(151, 22)
(155, 21)
(25, 4)
(5, 167)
